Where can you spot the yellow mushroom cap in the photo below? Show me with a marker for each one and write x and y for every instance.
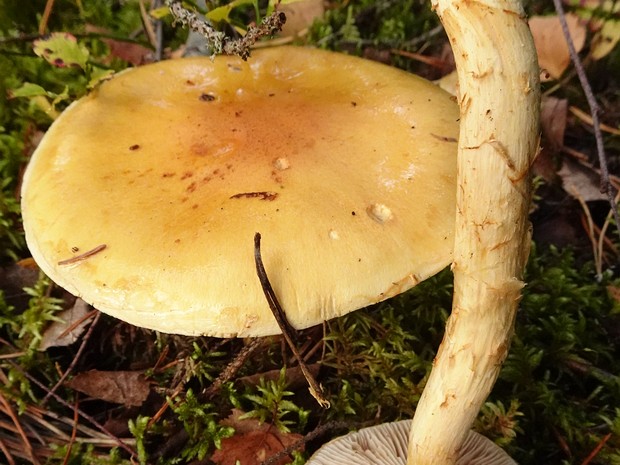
(144, 197)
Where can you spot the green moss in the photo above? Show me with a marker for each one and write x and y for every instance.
(558, 387)
(563, 365)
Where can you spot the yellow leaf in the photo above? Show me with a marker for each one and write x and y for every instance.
(606, 39)
(160, 13)
(223, 12)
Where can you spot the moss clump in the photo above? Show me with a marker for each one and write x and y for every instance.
(558, 393)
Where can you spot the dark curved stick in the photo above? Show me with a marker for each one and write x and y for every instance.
(287, 330)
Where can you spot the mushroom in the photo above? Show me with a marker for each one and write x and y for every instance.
(499, 104)
(143, 198)
(386, 444)
(499, 100)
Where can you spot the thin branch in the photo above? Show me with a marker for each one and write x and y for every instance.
(49, 5)
(164, 406)
(597, 449)
(147, 25)
(83, 256)
(602, 238)
(589, 227)
(287, 330)
(606, 185)
(233, 367)
(220, 42)
(159, 32)
(78, 323)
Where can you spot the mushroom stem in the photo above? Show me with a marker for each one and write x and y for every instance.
(499, 102)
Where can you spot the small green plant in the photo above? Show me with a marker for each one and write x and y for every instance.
(27, 326)
(376, 25)
(63, 50)
(85, 454)
(271, 405)
(200, 422)
(23, 330)
(138, 428)
(200, 367)
(562, 367)
(498, 422)
(11, 239)
(383, 354)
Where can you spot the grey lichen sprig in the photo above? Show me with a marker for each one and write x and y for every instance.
(220, 42)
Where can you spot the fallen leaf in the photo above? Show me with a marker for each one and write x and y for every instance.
(120, 387)
(66, 331)
(553, 124)
(300, 15)
(130, 52)
(553, 121)
(580, 181)
(605, 40)
(614, 292)
(240, 424)
(253, 442)
(14, 277)
(62, 49)
(602, 17)
(553, 55)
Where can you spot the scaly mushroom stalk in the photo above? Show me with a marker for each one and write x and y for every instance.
(499, 101)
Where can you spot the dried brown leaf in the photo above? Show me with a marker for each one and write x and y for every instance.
(614, 292)
(66, 332)
(580, 181)
(553, 121)
(130, 52)
(253, 442)
(553, 55)
(300, 15)
(119, 387)
(15, 277)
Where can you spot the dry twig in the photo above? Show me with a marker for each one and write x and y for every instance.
(233, 367)
(597, 449)
(287, 330)
(217, 40)
(49, 5)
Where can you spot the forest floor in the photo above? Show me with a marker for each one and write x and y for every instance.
(80, 387)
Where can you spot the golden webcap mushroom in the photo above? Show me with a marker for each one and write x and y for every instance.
(499, 100)
(499, 103)
(144, 197)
